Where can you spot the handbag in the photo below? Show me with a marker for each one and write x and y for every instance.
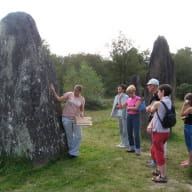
(142, 107)
(117, 113)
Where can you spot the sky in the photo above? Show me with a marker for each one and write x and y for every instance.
(90, 26)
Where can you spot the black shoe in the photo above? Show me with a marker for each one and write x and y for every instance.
(130, 151)
(72, 156)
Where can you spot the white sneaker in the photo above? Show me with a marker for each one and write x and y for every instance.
(122, 146)
(151, 164)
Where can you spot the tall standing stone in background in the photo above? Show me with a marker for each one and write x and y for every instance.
(135, 80)
(161, 64)
(29, 116)
(161, 67)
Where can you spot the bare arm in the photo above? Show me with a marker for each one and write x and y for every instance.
(185, 110)
(155, 106)
(135, 108)
(82, 109)
(58, 98)
(121, 105)
(150, 127)
(148, 109)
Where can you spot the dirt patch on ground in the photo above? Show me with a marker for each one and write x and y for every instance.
(171, 185)
(118, 158)
(146, 154)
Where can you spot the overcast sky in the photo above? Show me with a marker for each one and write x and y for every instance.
(89, 26)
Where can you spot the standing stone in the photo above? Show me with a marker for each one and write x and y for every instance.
(29, 116)
(161, 67)
(135, 80)
(161, 64)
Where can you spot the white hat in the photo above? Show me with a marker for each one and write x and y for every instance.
(153, 82)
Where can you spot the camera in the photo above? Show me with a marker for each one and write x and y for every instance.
(186, 101)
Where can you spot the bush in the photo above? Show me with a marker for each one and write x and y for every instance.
(92, 85)
(95, 104)
(182, 89)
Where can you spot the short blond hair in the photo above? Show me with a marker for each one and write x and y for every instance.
(78, 87)
(130, 89)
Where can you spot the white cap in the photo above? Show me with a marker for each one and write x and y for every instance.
(153, 82)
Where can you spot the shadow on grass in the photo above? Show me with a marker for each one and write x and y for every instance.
(190, 172)
(15, 171)
(10, 165)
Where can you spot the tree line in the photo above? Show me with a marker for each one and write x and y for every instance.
(100, 76)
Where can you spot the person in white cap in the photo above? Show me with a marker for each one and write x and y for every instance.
(152, 86)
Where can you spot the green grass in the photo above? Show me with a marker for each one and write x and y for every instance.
(101, 166)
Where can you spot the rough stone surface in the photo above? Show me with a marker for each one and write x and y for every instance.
(135, 80)
(161, 64)
(29, 116)
(161, 67)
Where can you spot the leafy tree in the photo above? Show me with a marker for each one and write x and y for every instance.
(71, 78)
(127, 61)
(183, 62)
(93, 60)
(60, 69)
(182, 89)
(119, 54)
(46, 47)
(92, 85)
(99, 65)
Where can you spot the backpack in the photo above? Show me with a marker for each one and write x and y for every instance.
(142, 106)
(169, 120)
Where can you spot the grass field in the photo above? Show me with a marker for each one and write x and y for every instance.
(101, 166)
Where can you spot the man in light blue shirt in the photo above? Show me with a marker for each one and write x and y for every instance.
(121, 114)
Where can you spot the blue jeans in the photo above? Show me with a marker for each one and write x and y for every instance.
(73, 134)
(188, 136)
(123, 131)
(133, 127)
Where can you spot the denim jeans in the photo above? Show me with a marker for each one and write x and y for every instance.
(133, 128)
(188, 136)
(73, 134)
(123, 131)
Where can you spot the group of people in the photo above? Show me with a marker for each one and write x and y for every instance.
(126, 108)
(129, 118)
